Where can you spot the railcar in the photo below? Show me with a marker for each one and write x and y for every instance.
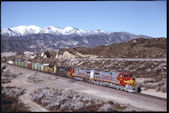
(51, 68)
(29, 65)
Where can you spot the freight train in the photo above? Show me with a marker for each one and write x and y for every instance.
(113, 79)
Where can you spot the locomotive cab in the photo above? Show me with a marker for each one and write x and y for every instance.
(131, 79)
(128, 81)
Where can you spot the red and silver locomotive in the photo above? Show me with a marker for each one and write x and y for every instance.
(118, 80)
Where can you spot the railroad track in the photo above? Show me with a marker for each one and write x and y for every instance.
(61, 74)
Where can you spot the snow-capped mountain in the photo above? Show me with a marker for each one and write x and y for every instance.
(32, 29)
(33, 38)
(21, 30)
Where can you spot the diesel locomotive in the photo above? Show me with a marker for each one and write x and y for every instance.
(118, 80)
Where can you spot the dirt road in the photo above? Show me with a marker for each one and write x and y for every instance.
(141, 103)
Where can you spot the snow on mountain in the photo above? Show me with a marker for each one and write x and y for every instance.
(22, 30)
(51, 30)
(96, 32)
(32, 29)
(69, 29)
(9, 32)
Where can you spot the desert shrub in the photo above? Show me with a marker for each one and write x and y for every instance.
(69, 100)
(12, 91)
(6, 77)
(163, 88)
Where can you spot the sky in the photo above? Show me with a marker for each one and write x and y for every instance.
(137, 17)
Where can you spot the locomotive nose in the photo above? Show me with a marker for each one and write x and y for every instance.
(132, 81)
(132, 78)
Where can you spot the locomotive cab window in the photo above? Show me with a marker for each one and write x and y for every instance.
(125, 75)
(121, 76)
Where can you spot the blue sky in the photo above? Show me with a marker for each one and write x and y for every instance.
(138, 17)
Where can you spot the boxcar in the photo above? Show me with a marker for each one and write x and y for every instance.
(33, 66)
(20, 63)
(29, 65)
(43, 66)
(39, 67)
(25, 64)
(36, 66)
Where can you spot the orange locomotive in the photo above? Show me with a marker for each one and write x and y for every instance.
(118, 80)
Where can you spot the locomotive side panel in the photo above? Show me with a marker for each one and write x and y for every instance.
(114, 76)
(82, 73)
(97, 74)
(106, 76)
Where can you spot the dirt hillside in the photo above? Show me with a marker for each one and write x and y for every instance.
(137, 48)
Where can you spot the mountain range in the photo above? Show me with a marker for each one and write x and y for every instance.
(33, 38)
(32, 29)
